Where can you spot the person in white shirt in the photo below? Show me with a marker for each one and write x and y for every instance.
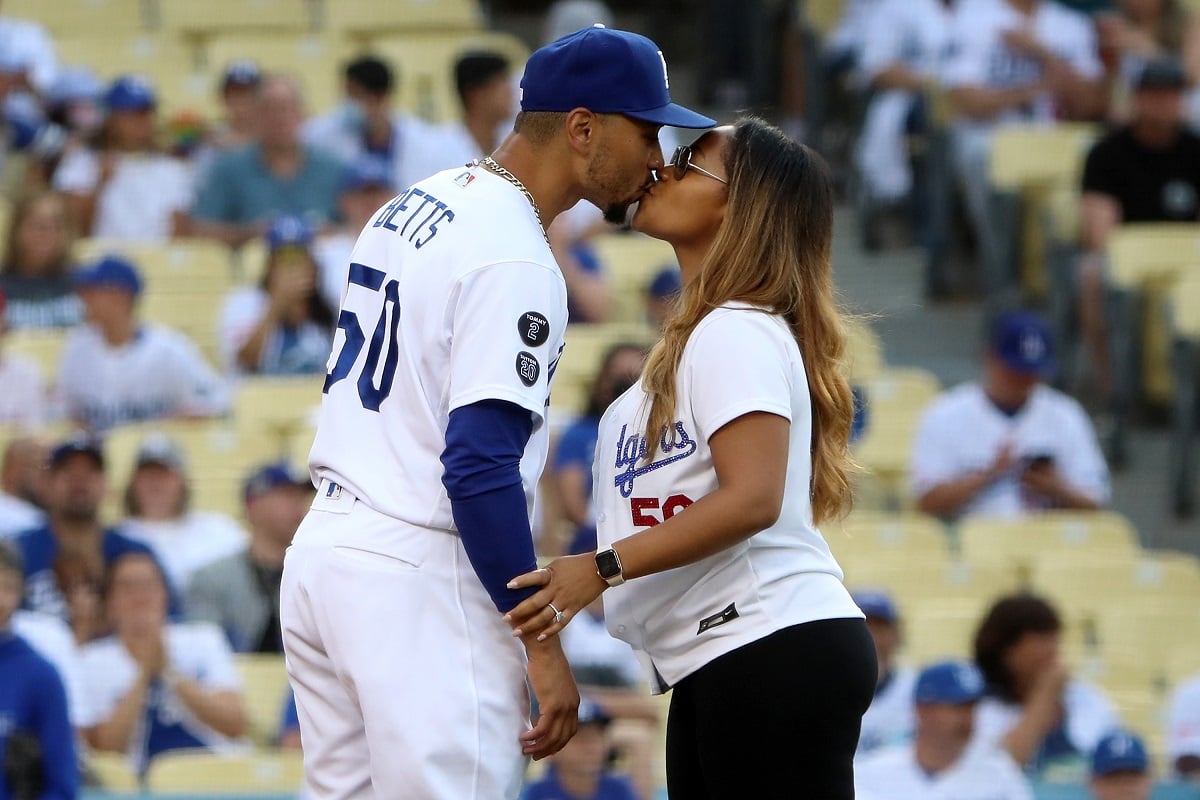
(28, 44)
(22, 475)
(159, 514)
(366, 187)
(118, 369)
(1046, 720)
(283, 326)
(485, 91)
(941, 763)
(159, 685)
(126, 189)
(1014, 61)
(1183, 730)
(368, 124)
(23, 401)
(889, 720)
(53, 640)
(1121, 768)
(1032, 447)
(712, 474)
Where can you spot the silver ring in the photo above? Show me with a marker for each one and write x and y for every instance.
(558, 615)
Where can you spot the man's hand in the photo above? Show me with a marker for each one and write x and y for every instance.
(557, 696)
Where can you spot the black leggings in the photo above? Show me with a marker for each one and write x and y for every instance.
(775, 719)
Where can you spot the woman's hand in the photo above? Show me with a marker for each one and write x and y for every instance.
(570, 584)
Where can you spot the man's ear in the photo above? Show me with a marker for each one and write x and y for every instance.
(581, 127)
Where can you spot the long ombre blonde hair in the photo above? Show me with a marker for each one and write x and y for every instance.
(772, 250)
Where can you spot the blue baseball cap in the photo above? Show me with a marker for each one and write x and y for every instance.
(606, 71)
(949, 682)
(288, 231)
(1119, 751)
(877, 604)
(591, 711)
(72, 84)
(112, 271)
(241, 73)
(77, 443)
(130, 93)
(273, 476)
(666, 283)
(1023, 343)
(367, 172)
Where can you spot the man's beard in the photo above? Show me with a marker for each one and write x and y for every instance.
(615, 213)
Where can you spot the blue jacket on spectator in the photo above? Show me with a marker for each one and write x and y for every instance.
(33, 701)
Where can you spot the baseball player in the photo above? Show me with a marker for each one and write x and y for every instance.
(432, 437)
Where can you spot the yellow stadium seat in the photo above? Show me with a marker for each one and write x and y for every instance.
(1145, 631)
(864, 350)
(587, 344)
(424, 65)
(176, 267)
(1039, 155)
(96, 18)
(1184, 316)
(112, 773)
(278, 405)
(367, 17)
(265, 688)
(199, 772)
(929, 582)
(211, 16)
(940, 629)
(630, 262)
(43, 346)
(895, 400)
(149, 55)
(888, 538)
(5, 220)
(823, 15)
(316, 61)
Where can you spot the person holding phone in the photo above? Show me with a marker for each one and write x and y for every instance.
(1032, 447)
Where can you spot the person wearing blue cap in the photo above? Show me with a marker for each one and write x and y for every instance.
(240, 592)
(125, 188)
(1032, 447)
(580, 771)
(714, 474)
(662, 296)
(942, 762)
(366, 187)
(1120, 768)
(889, 720)
(434, 422)
(284, 326)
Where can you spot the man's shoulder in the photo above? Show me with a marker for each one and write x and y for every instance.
(959, 400)
(222, 572)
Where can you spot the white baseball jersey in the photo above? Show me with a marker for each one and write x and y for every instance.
(54, 641)
(981, 774)
(160, 373)
(23, 401)
(138, 201)
(980, 56)
(890, 718)
(17, 515)
(186, 544)
(1183, 721)
(1051, 423)
(737, 361)
(453, 298)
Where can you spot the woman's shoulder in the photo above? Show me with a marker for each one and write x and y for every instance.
(742, 318)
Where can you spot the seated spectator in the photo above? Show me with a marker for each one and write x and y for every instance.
(662, 296)
(485, 92)
(159, 514)
(576, 449)
(366, 187)
(1120, 769)
(368, 123)
(124, 188)
(1014, 61)
(940, 761)
(22, 472)
(276, 174)
(283, 327)
(1031, 447)
(1134, 32)
(37, 745)
(238, 126)
(1148, 171)
(1183, 730)
(159, 685)
(889, 719)
(66, 557)
(240, 593)
(35, 275)
(23, 401)
(53, 640)
(1046, 720)
(580, 770)
(118, 369)
(75, 103)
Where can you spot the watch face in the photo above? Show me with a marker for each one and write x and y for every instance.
(607, 564)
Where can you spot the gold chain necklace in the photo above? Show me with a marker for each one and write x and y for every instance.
(491, 164)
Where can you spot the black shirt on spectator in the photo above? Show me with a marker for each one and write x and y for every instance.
(1151, 185)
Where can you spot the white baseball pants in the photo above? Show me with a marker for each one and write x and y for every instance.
(408, 683)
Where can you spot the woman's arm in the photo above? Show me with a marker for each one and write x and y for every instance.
(113, 733)
(222, 710)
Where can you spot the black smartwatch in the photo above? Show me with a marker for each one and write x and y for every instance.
(608, 566)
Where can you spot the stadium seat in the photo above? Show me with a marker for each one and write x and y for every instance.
(923, 583)
(630, 262)
(1184, 315)
(95, 18)
(940, 629)
(888, 538)
(864, 350)
(200, 772)
(895, 400)
(150, 55)
(823, 15)
(265, 688)
(42, 345)
(209, 17)
(112, 773)
(424, 65)
(280, 406)
(315, 61)
(587, 344)
(367, 17)
(1144, 631)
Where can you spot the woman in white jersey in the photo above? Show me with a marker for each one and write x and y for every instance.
(711, 474)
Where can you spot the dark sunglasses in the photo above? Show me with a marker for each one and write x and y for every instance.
(681, 162)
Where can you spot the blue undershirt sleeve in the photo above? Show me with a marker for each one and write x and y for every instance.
(482, 461)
